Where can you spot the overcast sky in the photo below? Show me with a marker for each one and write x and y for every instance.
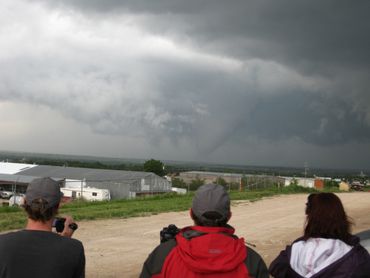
(262, 82)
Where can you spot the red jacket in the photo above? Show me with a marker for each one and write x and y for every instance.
(204, 252)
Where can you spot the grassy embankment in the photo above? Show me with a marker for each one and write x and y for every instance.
(14, 218)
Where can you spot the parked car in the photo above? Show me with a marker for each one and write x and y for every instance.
(357, 186)
(6, 194)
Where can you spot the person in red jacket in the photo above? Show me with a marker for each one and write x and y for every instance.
(209, 248)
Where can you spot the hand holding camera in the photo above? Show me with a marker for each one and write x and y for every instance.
(168, 233)
(65, 226)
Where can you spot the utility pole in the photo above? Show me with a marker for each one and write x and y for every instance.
(82, 186)
(305, 173)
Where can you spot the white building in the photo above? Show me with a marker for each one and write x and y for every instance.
(305, 182)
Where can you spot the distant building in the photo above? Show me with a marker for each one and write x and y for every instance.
(121, 184)
(210, 177)
(317, 183)
(252, 181)
(305, 182)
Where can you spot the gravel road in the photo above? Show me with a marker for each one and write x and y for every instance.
(118, 248)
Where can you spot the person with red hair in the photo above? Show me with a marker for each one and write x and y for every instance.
(327, 247)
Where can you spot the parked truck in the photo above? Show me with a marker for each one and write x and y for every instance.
(6, 194)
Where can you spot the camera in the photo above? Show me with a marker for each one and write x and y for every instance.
(58, 223)
(168, 233)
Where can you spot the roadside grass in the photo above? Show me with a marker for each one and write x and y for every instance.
(14, 218)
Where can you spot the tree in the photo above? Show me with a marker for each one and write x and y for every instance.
(294, 182)
(221, 181)
(176, 182)
(154, 166)
(195, 184)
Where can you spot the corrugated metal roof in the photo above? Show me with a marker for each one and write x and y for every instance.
(213, 174)
(13, 168)
(18, 178)
(84, 173)
(15, 178)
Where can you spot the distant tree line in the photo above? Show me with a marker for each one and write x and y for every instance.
(157, 167)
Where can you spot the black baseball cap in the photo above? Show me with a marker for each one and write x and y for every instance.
(211, 198)
(46, 189)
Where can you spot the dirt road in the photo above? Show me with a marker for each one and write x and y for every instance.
(117, 248)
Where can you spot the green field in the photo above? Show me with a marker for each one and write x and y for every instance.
(15, 218)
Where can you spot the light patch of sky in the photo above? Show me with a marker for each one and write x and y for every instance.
(271, 78)
(33, 128)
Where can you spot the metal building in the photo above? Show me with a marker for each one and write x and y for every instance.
(210, 177)
(122, 184)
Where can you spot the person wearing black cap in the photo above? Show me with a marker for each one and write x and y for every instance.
(36, 251)
(208, 249)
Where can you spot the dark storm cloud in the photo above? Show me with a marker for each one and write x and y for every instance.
(301, 33)
(315, 37)
(215, 73)
(310, 118)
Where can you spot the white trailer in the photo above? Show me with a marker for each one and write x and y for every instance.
(305, 182)
(16, 200)
(181, 191)
(87, 193)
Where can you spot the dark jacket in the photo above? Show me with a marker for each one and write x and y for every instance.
(204, 252)
(354, 263)
(41, 254)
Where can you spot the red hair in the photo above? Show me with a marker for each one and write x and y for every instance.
(326, 218)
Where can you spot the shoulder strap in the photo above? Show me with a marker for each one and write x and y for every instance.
(189, 234)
